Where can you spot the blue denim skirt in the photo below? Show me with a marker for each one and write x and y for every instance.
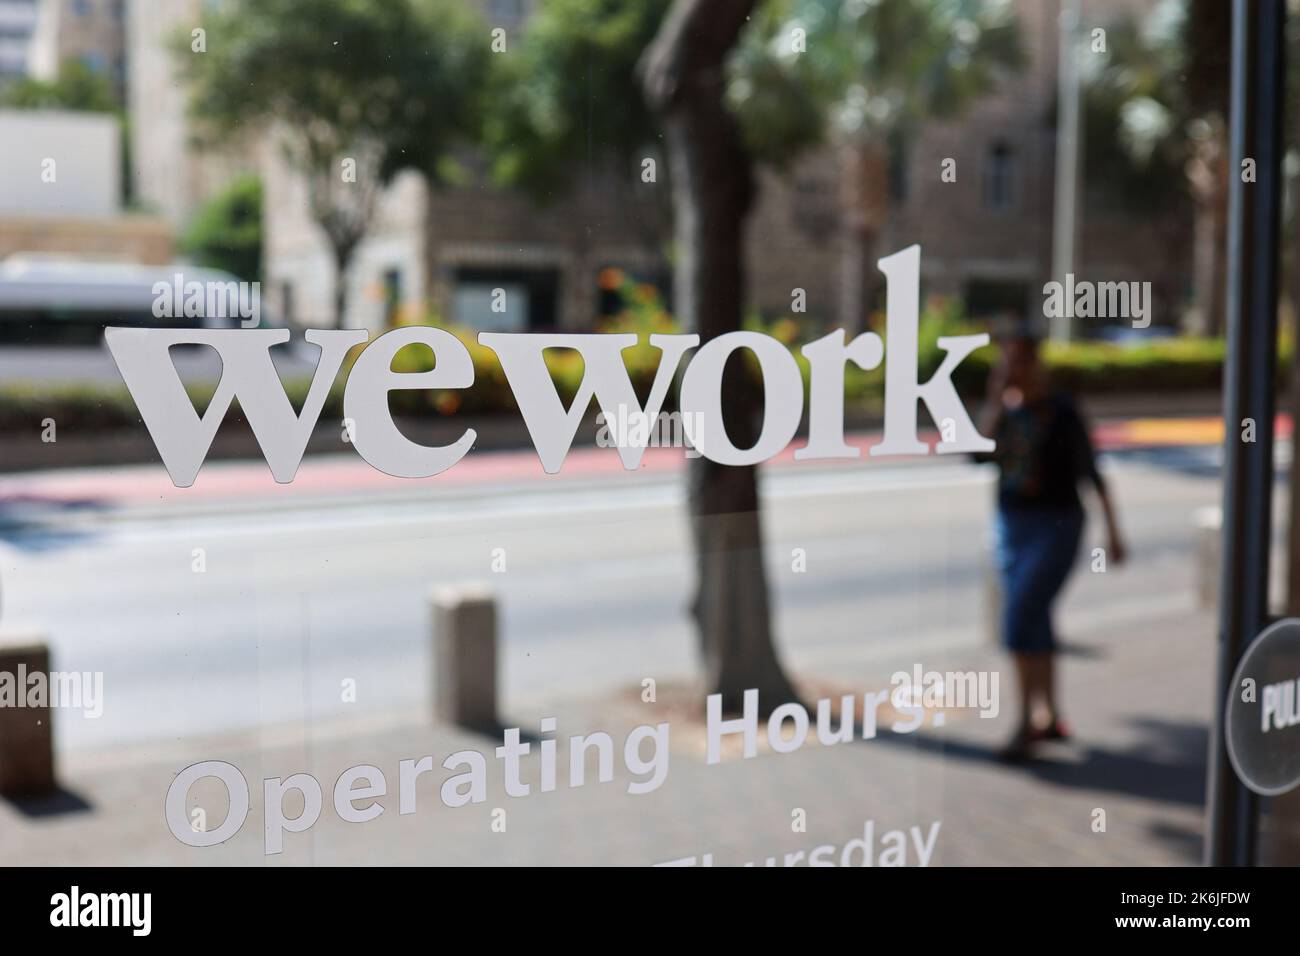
(1036, 549)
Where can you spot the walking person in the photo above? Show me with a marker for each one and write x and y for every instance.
(1043, 453)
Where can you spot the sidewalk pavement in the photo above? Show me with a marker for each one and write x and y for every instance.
(1139, 699)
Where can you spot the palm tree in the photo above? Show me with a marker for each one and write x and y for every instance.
(864, 76)
(1156, 129)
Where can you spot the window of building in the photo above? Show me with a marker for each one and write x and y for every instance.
(994, 299)
(392, 296)
(287, 303)
(999, 177)
(505, 10)
(506, 299)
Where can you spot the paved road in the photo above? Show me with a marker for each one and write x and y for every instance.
(596, 580)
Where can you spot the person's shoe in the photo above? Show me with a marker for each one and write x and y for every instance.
(1017, 751)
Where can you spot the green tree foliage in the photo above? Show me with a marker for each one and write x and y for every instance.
(570, 96)
(1157, 100)
(870, 68)
(77, 87)
(226, 231)
(403, 74)
(864, 75)
(1156, 129)
(389, 86)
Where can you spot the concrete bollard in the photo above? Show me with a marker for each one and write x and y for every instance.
(26, 732)
(465, 655)
(1208, 523)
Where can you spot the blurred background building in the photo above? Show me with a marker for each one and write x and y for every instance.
(444, 250)
(90, 32)
(17, 23)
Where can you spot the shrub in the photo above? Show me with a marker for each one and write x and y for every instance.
(226, 231)
(1158, 365)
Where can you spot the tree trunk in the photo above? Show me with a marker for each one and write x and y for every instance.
(866, 201)
(341, 259)
(713, 188)
(1207, 173)
(1209, 263)
(343, 209)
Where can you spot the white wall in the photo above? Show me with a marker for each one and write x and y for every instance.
(87, 160)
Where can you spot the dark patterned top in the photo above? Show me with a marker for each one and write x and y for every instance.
(1043, 452)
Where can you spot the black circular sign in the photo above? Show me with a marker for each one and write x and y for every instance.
(1262, 721)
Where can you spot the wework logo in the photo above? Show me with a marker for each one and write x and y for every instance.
(183, 436)
(210, 300)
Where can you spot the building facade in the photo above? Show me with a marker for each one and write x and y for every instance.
(17, 24)
(988, 236)
(448, 252)
(91, 32)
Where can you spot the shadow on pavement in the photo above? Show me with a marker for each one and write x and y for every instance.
(1167, 765)
(1169, 769)
(59, 803)
(31, 522)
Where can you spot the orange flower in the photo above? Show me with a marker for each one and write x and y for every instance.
(785, 331)
(610, 278)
